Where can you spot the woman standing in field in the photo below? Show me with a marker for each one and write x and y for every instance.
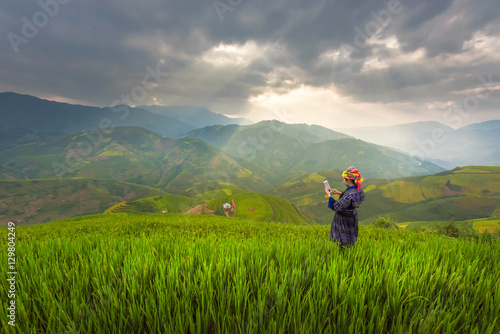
(344, 228)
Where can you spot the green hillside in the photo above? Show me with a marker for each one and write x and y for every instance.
(273, 145)
(465, 193)
(256, 157)
(177, 273)
(375, 161)
(285, 149)
(263, 133)
(215, 194)
(29, 202)
(483, 225)
(459, 208)
(263, 144)
(11, 137)
(252, 206)
(480, 225)
(267, 208)
(7, 173)
(157, 204)
(433, 224)
(134, 155)
(308, 133)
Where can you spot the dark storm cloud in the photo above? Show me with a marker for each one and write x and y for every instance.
(443, 26)
(94, 51)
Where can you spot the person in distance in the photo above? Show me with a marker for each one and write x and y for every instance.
(344, 230)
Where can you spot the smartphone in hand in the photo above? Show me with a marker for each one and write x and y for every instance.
(327, 185)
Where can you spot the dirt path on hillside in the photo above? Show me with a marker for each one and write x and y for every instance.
(199, 210)
(272, 214)
(234, 205)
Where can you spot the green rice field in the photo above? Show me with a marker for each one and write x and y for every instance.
(479, 225)
(174, 273)
(490, 225)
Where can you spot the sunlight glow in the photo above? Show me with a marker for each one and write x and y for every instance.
(233, 55)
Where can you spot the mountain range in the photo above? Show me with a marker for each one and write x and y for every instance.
(442, 145)
(286, 149)
(195, 116)
(34, 114)
(140, 156)
(472, 144)
(51, 145)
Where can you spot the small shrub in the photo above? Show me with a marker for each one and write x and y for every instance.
(219, 212)
(385, 222)
(423, 229)
(450, 230)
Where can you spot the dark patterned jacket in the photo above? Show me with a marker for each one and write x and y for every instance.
(349, 200)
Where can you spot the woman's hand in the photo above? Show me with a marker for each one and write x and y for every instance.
(330, 192)
(335, 191)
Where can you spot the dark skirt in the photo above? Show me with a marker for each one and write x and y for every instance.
(344, 230)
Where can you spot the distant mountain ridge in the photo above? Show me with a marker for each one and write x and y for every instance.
(477, 144)
(195, 116)
(473, 144)
(35, 114)
(483, 126)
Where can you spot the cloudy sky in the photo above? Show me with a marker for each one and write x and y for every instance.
(339, 63)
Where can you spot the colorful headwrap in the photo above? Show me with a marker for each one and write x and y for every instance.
(353, 174)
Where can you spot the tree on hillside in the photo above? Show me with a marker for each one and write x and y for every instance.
(385, 222)
(451, 229)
